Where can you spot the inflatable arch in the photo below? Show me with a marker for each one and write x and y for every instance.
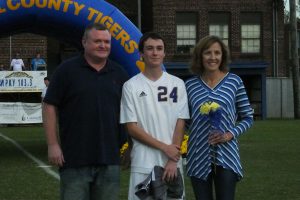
(66, 19)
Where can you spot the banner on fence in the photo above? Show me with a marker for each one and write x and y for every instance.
(22, 81)
(20, 113)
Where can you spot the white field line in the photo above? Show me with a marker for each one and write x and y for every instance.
(37, 161)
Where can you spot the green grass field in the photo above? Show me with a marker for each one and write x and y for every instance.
(269, 151)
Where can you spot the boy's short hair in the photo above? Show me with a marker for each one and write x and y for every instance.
(148, 35)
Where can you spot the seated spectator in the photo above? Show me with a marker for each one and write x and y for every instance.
(2, 67)
(17, 63)
(38, 63)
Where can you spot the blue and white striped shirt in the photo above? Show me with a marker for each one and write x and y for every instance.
(237, 117)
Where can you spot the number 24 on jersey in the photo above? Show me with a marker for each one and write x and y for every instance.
(163, 94)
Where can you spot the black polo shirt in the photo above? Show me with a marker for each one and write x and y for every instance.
(88, 104)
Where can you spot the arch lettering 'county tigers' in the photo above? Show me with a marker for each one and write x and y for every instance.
(66, 19)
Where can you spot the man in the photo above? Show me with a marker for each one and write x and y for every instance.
(37, 63)
(17, 63)
(153, 107)
(85, 92)
(46, 82)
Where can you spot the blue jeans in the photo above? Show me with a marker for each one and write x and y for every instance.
(90, 183)
(224, 181)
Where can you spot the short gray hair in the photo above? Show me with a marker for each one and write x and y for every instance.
(91, 26)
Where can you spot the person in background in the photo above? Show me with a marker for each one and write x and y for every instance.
(213, 154)
(17, 63)
(37, 63)
(2, 67)
(46, 82)
(154, 108)
(84, 98)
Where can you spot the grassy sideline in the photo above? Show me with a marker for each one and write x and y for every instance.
(269, 153)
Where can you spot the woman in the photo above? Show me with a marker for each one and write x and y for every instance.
(213, 156)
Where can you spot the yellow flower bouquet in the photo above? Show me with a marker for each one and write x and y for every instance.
(183, 148)
(213, 111)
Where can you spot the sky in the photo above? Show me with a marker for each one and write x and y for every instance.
(287, 6)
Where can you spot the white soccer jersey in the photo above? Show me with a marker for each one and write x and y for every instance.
(155, 106)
